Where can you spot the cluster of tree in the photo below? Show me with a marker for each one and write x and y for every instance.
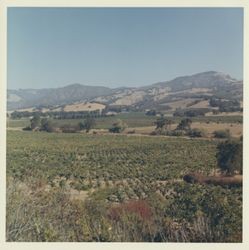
(56, 114)
(151, 112)
(225, 105)
(41, 124)
(74, 114)
(87, 124)
(163, 123)
(191, 112)
(184, 128)
(118, 126)
(118, 108)
(26, 114)
(163, 127)
(185, 124)
(46, 124)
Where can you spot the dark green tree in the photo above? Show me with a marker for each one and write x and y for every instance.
(229, 156)
(151, 112)
(87, 124)
(35, 121)
(160, 122)
(185, 124)
(46, 125)
(118, 126)
(163, 122)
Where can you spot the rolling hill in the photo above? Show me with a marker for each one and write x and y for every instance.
(182, 91)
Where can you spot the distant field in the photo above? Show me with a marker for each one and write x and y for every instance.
(135, 119)
(131, 119)
(20, 123)
(84, 107)
(236, 130)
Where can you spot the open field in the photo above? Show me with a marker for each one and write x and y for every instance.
(87, 179)
(138, 126)
(84, 106)
(201, 104)
(181, 103)
(236, 130)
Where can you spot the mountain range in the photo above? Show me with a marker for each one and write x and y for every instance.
(182, 90)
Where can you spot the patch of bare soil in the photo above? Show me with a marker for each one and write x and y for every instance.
(215, 180)
(225, 114)
(236, 130)
(201, 104)
(84, 106)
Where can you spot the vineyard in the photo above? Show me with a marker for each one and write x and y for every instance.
(92, 158)
(110, 171)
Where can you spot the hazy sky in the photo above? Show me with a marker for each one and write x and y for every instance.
(52, 47)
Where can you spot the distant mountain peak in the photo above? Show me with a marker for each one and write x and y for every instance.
(74, 85)
(215, 73)
(190, 86)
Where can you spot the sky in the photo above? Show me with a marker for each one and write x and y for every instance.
(114, 47)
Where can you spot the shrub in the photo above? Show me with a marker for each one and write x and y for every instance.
(28, 128)
(196, 132)
(219, 206)
(140, 208)
(222, 133)
(154, 132)
(215, 112)
(67, 128)
(151, 112)
(176, 133)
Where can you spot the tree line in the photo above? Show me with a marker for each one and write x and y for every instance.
(38, 123)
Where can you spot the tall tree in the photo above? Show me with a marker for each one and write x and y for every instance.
(35, 121)
(229, 156)
(46, 125)
(87, 124)
(118, 126)
(185, 124)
